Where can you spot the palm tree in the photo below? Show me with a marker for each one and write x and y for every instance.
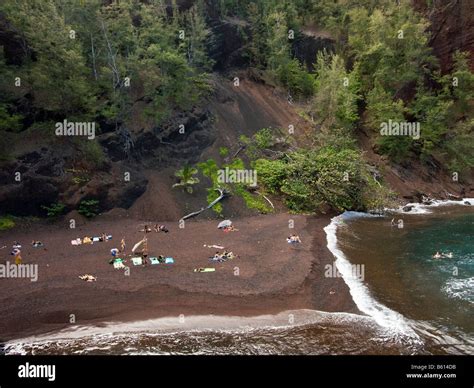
(186, 179)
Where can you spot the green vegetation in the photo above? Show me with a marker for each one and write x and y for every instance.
(310, 179)
(94, 61)
(91, 61)
(89, 208)
(55, 209)
(187, 180)
(210, 169)
(386, 47)
(223, 151)
(6, 222)
(92, 152)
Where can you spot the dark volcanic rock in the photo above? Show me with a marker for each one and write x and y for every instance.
(227, 44)
(26, 197)
(45, 180)
(452, 28)
(306, 47)
(172, 145)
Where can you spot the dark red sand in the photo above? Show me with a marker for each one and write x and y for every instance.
(273, 276)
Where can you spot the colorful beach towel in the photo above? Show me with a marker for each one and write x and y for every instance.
(137, 261)
(118, 264)
(169, 260)
(154, 260)
(205, 270)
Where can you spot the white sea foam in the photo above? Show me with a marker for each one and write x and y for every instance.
(81, 339)
(460, 289)
(395, 324)
(421, 208)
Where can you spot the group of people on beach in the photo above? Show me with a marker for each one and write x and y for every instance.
(157, 228)
(104, 237)
(222, 257)
(16, 250)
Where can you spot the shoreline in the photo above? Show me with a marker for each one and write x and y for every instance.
(274, 277)
(198, 323)
(361, 295)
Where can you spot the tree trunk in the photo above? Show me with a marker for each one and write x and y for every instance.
(222, 193)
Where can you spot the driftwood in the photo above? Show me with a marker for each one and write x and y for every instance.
(270, 202)
(222, 194)
(238, 151)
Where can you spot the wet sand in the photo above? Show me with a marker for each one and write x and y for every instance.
(268, 277)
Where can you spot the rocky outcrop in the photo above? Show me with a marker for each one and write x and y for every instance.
(307, 46)
(452, 28)
(177, 141)
(227, 43)
(38, 179)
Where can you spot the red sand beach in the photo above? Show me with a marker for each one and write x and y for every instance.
(268, 277)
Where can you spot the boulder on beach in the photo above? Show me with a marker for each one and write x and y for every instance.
(407, 208)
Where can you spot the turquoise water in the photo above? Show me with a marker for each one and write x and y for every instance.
(436, 295)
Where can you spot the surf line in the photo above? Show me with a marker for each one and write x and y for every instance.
(385, 317)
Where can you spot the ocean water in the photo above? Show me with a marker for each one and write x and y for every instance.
(410, 302)
(435, 297)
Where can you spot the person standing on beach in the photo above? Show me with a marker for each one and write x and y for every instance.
(122, 245)
(17, 254)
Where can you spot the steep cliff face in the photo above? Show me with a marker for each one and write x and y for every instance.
(149, 154)
(452, 27)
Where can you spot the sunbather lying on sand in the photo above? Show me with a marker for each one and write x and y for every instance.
(293, 239)
(36, 244)
(88, 278)
(214, 246)
(146, 229)
(222, 257)
(229, 255)
(230, 229)
(160, 228)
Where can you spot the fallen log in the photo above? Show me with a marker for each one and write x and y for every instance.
(222, 194)
(270, 202)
